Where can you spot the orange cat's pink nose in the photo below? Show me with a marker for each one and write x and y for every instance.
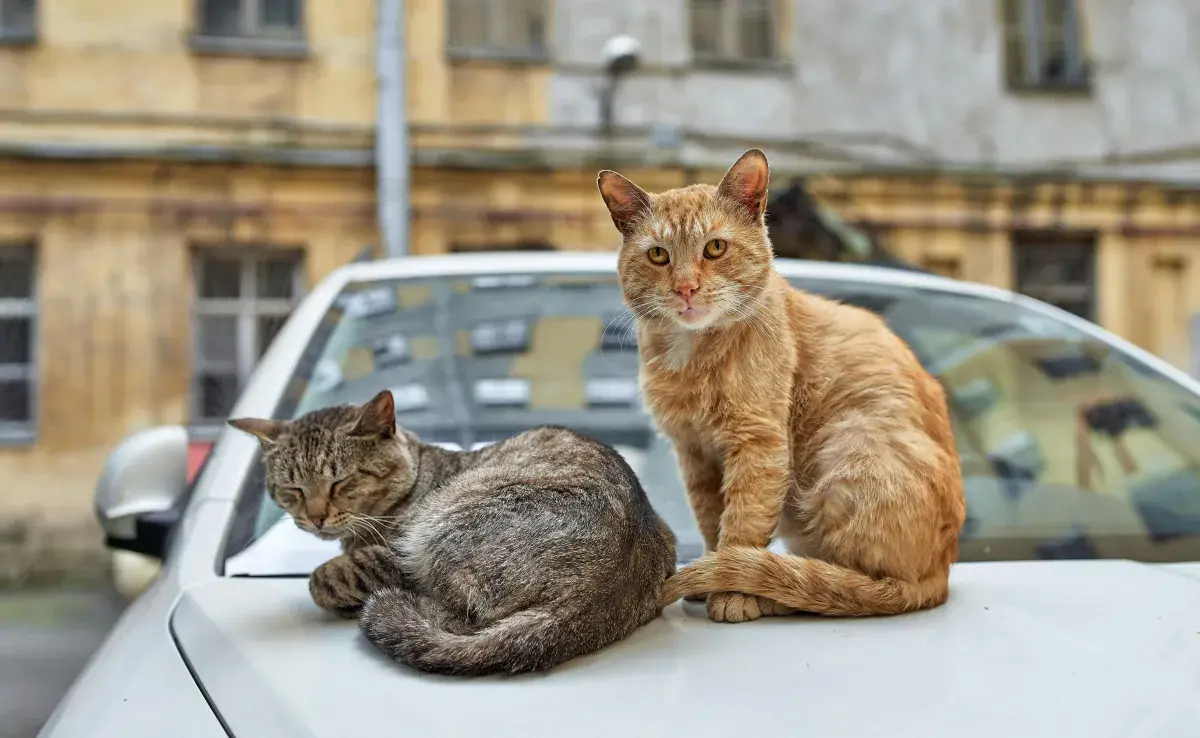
(686, 291)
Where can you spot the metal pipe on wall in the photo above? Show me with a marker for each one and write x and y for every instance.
(392, 166)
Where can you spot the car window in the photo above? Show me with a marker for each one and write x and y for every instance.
(1070, 447)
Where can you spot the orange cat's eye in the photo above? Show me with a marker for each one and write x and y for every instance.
(714, 249)
(658, 255)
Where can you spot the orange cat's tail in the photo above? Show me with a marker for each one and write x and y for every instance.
(802, 583)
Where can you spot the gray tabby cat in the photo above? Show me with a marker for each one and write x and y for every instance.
(515, 557)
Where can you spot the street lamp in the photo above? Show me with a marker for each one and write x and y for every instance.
(621, 56)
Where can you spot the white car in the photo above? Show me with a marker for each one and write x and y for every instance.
(1074, 610)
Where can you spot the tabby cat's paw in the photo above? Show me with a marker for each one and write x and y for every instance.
(735, 607)
(335, 592)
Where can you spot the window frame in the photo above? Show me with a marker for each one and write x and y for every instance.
(247, 309)
(19, 36)
(497, 12)
(730, 53)
(1023, 242)
(23, 432)
(252, 38)
(1024, 26)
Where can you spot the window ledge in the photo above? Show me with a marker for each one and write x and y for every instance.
(515, 57)
(14, 38)
(17, 435)
(747, 66)
(254, 46)
(1081, 88)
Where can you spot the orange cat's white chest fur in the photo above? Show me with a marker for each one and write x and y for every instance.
(696, 384)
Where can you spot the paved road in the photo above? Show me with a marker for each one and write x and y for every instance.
(46, 637)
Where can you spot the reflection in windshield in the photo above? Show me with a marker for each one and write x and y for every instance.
(1070, 448)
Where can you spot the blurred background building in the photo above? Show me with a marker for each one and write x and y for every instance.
(174, 174)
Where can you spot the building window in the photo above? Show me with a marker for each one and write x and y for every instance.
(274, 27)
(409, 398)
(733, 31)
(1058, 270)
(512, 29)
(368, 303)
(503, 281)
(391, 351)
(242, 300)
(510, 393)
(18, 314)
(612, 392)
(1043, 45)
(501, 337)
(18, 20)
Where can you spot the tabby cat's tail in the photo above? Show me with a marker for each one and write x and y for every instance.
(802, 583)
(421, 632)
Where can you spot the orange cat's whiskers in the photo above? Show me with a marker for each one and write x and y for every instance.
(619, 323)
(646, 309)
(745, 309)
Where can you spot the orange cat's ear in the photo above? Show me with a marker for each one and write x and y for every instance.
(378, 417)
(746, 182)
(626, 202)
(266, 431)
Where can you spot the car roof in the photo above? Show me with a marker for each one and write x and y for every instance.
(493, 262)
(518, 262)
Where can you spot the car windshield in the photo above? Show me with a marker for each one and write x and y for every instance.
(1070, 447)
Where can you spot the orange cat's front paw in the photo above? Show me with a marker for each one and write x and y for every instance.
(733, 607)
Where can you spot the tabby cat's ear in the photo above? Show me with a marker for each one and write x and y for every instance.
(378, 417)
(746, 183)
(266, 431)
(626, 202)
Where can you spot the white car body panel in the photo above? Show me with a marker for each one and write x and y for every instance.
(1094, 649)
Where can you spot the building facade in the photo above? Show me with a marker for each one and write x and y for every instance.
(175, 173)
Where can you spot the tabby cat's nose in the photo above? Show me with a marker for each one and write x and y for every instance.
(318, 523)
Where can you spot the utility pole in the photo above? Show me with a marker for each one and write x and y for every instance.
(392, 166)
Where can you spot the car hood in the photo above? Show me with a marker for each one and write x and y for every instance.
(1091, 648)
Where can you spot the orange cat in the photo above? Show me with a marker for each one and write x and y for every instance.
(789, 413)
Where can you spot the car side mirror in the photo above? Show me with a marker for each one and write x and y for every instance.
(140, 494)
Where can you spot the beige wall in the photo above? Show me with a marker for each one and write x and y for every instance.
(124, 72)
(1148, 239)
(113, 237)
(114, 284)
(131, 61)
